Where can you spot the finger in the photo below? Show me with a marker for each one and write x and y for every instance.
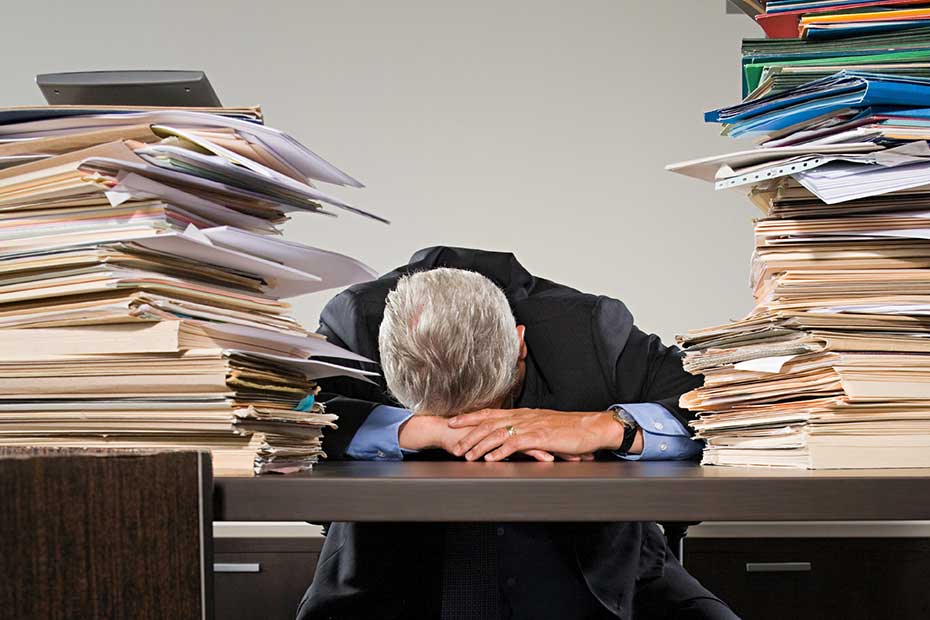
(540, 455)
(587, 457)
(471, 439)
(477, 417)
(513, 444)
(491, 441)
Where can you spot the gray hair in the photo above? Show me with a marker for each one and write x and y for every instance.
(448, 342)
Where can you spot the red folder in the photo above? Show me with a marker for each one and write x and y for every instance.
(785, 25)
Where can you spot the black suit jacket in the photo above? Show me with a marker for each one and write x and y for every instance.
(586, 348)
(584, 353)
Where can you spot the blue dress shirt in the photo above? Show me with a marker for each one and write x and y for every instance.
(664, 437)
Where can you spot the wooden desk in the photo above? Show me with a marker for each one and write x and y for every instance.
(603, 491)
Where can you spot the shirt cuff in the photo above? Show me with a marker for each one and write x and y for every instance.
(376, 439)
(665, 438)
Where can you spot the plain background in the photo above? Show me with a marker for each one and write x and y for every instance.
(531, 126)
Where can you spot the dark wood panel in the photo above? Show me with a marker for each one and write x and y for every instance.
(601, 491)
(286, 567)
(104, 535)
(849, 578)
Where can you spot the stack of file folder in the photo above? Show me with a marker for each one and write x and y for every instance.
(823, 19)
(144, 279)
(831, 368)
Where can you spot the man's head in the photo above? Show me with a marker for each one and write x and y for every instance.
(449, 342)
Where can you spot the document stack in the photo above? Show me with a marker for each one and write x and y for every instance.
(143, 278)
(831, 368)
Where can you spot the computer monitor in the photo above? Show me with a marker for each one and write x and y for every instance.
(136, 88)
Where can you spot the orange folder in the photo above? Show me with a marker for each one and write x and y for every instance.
(785, 25)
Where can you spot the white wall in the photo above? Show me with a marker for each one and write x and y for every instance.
(535, 126)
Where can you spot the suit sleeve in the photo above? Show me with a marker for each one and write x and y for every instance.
(350, 399)
(644, 369)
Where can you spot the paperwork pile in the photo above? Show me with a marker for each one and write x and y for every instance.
(143, 278)
(831, 368)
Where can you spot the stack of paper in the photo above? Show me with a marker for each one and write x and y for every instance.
(831, 368)
(143, 280)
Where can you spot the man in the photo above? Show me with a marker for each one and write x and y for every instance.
(488, 361)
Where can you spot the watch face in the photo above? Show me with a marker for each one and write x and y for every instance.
(627, 418)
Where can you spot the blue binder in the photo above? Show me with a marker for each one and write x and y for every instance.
(843, 90)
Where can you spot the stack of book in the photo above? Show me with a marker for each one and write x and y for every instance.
(831, 368)
(143, 280)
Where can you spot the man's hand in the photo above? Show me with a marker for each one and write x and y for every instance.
(423, 432)
(569, 435)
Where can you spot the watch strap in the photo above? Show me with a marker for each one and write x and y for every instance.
(629, 428)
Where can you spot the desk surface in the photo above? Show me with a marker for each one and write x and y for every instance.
(603, 491)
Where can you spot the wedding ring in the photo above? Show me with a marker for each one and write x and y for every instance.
(511, 430)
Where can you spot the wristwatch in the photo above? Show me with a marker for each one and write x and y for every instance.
(629, 428)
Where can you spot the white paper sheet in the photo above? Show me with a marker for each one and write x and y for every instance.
(308, 346)
(336, 270)
(315, 369)
(283, 280)
(216, 149)
(252, 180)
(707, 168)
(908, 154)
(894, 309)
(165, 175)
(138, 186)
(765, 364)
(296, 154)
(838, 183)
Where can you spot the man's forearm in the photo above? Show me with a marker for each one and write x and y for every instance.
(422, 432)
(613, 432)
